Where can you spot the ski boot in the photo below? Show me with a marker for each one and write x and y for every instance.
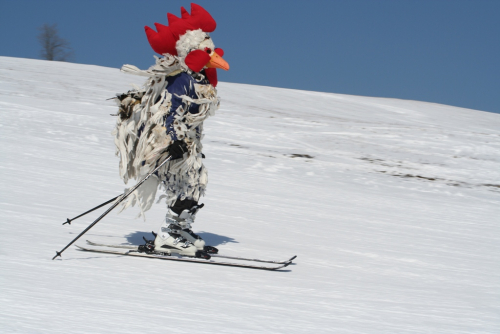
(181, 224)
(170, 242)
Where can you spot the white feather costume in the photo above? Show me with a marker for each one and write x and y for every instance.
(172, 105)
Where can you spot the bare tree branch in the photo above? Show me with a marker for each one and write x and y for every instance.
(53, 46)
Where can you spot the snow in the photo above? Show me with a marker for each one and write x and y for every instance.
(392, 207)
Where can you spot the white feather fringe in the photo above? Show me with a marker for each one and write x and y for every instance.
(191, 40)
(184, 178)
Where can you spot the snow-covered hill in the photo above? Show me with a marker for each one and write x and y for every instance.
(392, 207)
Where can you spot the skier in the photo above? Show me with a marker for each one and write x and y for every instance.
(165, 118)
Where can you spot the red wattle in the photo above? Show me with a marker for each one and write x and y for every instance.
(196, 60)
(211, 74)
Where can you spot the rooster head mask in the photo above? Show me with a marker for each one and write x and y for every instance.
(188, 38)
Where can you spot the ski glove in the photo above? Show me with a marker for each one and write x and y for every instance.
(177, 149)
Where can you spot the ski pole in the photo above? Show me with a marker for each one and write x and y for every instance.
(113, 206)
(68, 221)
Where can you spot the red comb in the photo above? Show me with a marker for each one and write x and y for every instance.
(164, 40)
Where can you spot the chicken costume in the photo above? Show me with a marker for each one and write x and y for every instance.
(165, 118)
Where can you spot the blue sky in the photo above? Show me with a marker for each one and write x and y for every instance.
(437, 51)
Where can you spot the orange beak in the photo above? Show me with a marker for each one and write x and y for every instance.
(216, 61)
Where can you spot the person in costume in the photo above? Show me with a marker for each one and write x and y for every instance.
(165, 118)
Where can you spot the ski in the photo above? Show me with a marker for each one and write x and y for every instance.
(132, 247)
(180, 259)
(254, 260)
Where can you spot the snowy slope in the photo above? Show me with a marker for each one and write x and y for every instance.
(392, 207)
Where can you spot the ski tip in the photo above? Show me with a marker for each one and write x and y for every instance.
(292, 258)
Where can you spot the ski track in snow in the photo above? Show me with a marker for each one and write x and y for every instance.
(392, 207)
